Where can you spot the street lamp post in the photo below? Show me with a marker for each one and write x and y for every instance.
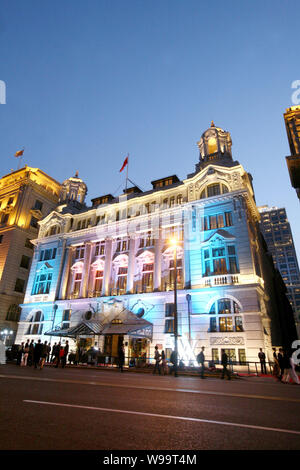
(174, 243)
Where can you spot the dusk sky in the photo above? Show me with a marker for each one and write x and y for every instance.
(89, 81)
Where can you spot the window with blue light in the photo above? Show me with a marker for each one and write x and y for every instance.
(215, 221)
(221, 260)
(225, 316)
(42, 283)
(49, 253)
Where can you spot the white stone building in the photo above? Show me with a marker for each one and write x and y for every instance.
(105, 274)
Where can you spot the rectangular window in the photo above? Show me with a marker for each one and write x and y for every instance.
(19, 286)
(98, 282)
(212, 222)
(77, 283)
(34, 222)
(1, 238)
(28, 244)
(169, 310)
(38, 205)
(5, 218)
(42, 284)
(215, 355)
(169, 326)
(220, 221)
(79, 253)
(238, 324)
(213, 325)
(25, 262)
(242, 356)
(228, 219)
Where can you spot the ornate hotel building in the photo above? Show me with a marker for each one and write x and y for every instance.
(26, 196)
(105, 274)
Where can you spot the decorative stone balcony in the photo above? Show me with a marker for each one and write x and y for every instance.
(221, 280)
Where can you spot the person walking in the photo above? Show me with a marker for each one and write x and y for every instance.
(276, 368)
(44, 354)
(65, 355)
(20, 354)
(173, 360)
(200, 360)
(262, 358)
(224, 362)
(287, 367)
(164, 365)
(157, 358)
(38, 349)
(293, 372)
(121, 357)
(53, 352)
(281, 363)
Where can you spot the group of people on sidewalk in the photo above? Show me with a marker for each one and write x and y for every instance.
(224, 361)
(37, 354)
(284, 367)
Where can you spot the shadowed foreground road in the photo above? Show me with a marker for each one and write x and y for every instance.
(76, 409)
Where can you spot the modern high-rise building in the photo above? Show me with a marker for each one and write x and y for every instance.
(277, 233)
(26, 196)
(292, 123)
(105, 274)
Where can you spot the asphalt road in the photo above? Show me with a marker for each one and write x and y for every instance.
(86, 409)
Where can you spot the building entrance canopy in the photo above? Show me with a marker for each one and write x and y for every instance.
(124, 323)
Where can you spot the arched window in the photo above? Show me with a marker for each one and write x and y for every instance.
(35, 324)
(13, 312)
(225, 316)
(214, 189)
(212, 145)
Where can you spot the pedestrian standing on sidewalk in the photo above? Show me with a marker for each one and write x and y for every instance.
(53, 352)
(20, 354)
(25, 355)
(224, 362)
(281, 363)
(44, 354)
(121, 357)
(262, 358)
(65, 354)
(57, 355)
(31, 353)
(38, 349)
(157, 358)
(200, 360)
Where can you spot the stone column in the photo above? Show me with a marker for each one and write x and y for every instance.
(86, 270)
(157, 260)
(131, 265)
(66, 272)
(107, 267)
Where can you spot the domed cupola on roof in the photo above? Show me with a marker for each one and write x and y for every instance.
(215, 146)
(73, 189)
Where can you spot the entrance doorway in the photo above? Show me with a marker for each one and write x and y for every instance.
(112, 344)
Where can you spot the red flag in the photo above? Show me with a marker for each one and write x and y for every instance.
(19, 153)
(124, 164)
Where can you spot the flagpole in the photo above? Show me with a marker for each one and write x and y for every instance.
(127, 173)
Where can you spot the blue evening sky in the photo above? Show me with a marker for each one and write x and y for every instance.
(90, 80)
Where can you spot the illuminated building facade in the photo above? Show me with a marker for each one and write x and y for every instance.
(277, 233)
(292, 123)
(105, 274)
(26, 196)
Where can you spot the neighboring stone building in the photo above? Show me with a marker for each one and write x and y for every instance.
(292, 123)
(26, 196)
(105, 274)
